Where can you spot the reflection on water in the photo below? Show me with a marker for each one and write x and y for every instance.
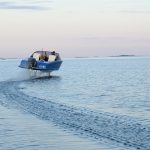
(23, 131)
(119, 86)
(116, 88)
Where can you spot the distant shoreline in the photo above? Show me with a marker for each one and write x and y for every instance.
(3, 58)
(107, 56)
(124, 56)
(88, 57)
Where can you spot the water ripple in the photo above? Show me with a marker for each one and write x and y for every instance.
(127, 130)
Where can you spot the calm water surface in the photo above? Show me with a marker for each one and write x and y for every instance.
(98, 103)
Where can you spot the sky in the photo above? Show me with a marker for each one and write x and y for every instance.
(75, 28)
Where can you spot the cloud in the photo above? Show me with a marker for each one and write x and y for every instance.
(24, 5)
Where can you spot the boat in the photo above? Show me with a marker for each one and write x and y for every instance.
(45, 61)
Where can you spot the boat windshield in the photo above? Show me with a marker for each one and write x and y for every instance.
(45, 55)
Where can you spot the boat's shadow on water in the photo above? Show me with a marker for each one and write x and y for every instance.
(29, 75)
(39, 78)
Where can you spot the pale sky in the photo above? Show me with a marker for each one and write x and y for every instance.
(75, 27)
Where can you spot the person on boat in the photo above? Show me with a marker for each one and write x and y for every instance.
(42, 57)
(46, 58)
(53, 52)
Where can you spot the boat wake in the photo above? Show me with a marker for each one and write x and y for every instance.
(121, 129)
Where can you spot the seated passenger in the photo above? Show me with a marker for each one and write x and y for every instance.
(53, 53)
(46, 58)
(41, 57)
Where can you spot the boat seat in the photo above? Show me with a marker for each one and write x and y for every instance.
(51, 58)
(36, 56)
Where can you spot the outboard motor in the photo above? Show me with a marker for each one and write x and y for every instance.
(31, 62)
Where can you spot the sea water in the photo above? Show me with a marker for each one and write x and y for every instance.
(90, 103)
